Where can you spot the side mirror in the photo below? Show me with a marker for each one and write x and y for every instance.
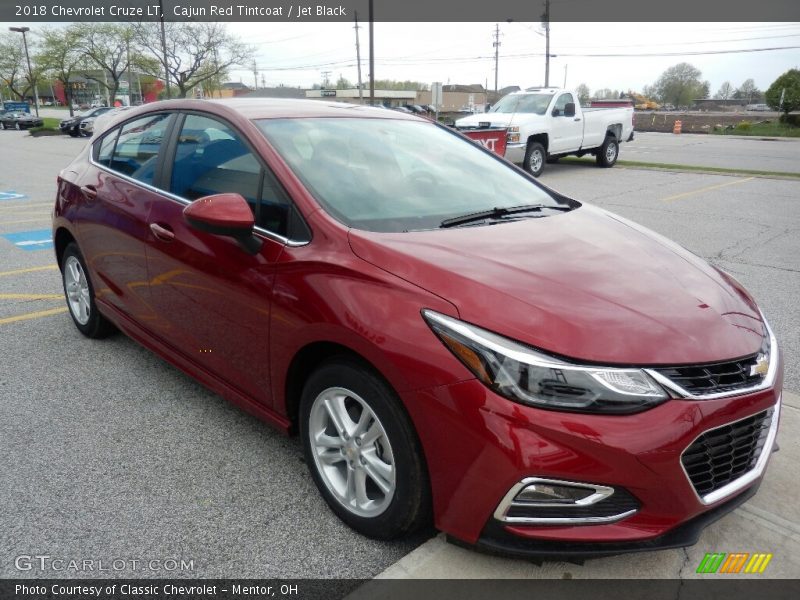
(556, 112)
(569, 109)
(224, 214)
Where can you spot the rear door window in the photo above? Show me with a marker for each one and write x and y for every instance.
(136, 152)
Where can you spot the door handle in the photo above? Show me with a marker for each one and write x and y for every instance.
(163, 233)
(89, 191)
(577, 118)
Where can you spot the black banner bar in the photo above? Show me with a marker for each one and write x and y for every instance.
(709, 587)
(621, 11)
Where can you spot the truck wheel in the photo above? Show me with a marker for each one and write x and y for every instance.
(535, 157)
(608, 153)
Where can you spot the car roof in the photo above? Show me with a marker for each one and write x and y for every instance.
(281, 108)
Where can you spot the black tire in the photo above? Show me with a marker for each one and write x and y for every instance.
(535, 158)
(408, 508)
(95, 325)
(73, 133)
(608, 153)
(551, 160)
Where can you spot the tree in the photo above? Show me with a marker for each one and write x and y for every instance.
(584, 94)
(14, 67)
(788, 86)
(342, 83)
(680, 84)
(196, 52)
(725, 91)
(106, 47)
(606, 93)
(747, 91)
(60, 57)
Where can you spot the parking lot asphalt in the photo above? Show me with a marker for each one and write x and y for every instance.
(108, 452)
(731, 152)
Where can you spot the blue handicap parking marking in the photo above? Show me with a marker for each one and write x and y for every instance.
(11, 195)
(40, 239)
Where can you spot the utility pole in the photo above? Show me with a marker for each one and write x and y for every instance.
(496, 54)
(358, 61)
(23, 31)
(325, 79)
(164, 48)
(565, 77)
(371, 55)
(255, 75)
(546, 22)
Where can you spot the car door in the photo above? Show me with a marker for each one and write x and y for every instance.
(212, 298)
(112, 218)
(566, 132)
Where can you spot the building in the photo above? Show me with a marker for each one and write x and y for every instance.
(458, 97)
(385, 97)
(276, 92)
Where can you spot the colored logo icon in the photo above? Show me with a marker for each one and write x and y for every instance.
(735, 562)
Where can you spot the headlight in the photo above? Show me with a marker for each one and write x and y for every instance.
(528, 376)
(512, 136)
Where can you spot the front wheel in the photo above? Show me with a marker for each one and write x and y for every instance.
(80, 295)
(362, 451)
(608, 153)
(535, 157)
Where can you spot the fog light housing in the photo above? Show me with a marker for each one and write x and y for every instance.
(536, 500)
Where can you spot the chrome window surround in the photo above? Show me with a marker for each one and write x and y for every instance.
(742, 482)
(601, 492)
(766, 383)
(264, 232)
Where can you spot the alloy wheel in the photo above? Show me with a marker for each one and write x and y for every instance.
(77, 287)
(352, 452)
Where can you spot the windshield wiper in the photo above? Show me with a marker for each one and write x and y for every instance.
(498, 213)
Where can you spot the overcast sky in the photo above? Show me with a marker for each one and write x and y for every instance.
(296, 53)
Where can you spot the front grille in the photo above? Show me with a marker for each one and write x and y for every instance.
(621, 501)
(724, 454)
(715, 378)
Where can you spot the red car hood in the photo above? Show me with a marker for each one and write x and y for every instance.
(585, 284)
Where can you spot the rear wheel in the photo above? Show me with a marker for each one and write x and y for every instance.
(362, 450)
(535, 157)
(79, 293)
(608, 152)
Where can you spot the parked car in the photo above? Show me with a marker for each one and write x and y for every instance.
(72, 126)
(452, 340)
(20, 120)
(548, 123)
(757, 107)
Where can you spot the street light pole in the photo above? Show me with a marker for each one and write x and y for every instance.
(164, 48)
(23, 31)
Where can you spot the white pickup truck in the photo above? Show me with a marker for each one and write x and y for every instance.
(547, 123)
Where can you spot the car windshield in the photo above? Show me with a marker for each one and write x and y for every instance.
(523, 103)
(392, 175)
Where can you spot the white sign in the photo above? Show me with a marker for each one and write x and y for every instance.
(436, 94)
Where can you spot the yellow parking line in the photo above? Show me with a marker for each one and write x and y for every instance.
(30, 270)
(39, 220)
(30, 296)
(33, 315)
(705, 189)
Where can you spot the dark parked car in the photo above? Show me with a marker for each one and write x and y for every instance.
(20, 120)
(72, 126)
(451, 339)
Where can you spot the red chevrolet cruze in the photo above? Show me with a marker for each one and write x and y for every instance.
(451, 339)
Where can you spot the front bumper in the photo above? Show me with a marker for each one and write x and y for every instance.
(515, 153)
(492, 444)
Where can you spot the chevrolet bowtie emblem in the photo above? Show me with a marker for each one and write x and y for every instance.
(761, 367)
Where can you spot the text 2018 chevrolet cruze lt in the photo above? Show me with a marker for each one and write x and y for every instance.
(452, 340)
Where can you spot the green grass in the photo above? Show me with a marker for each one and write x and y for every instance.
(50, 125)
(694, 168)
(771, 129)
